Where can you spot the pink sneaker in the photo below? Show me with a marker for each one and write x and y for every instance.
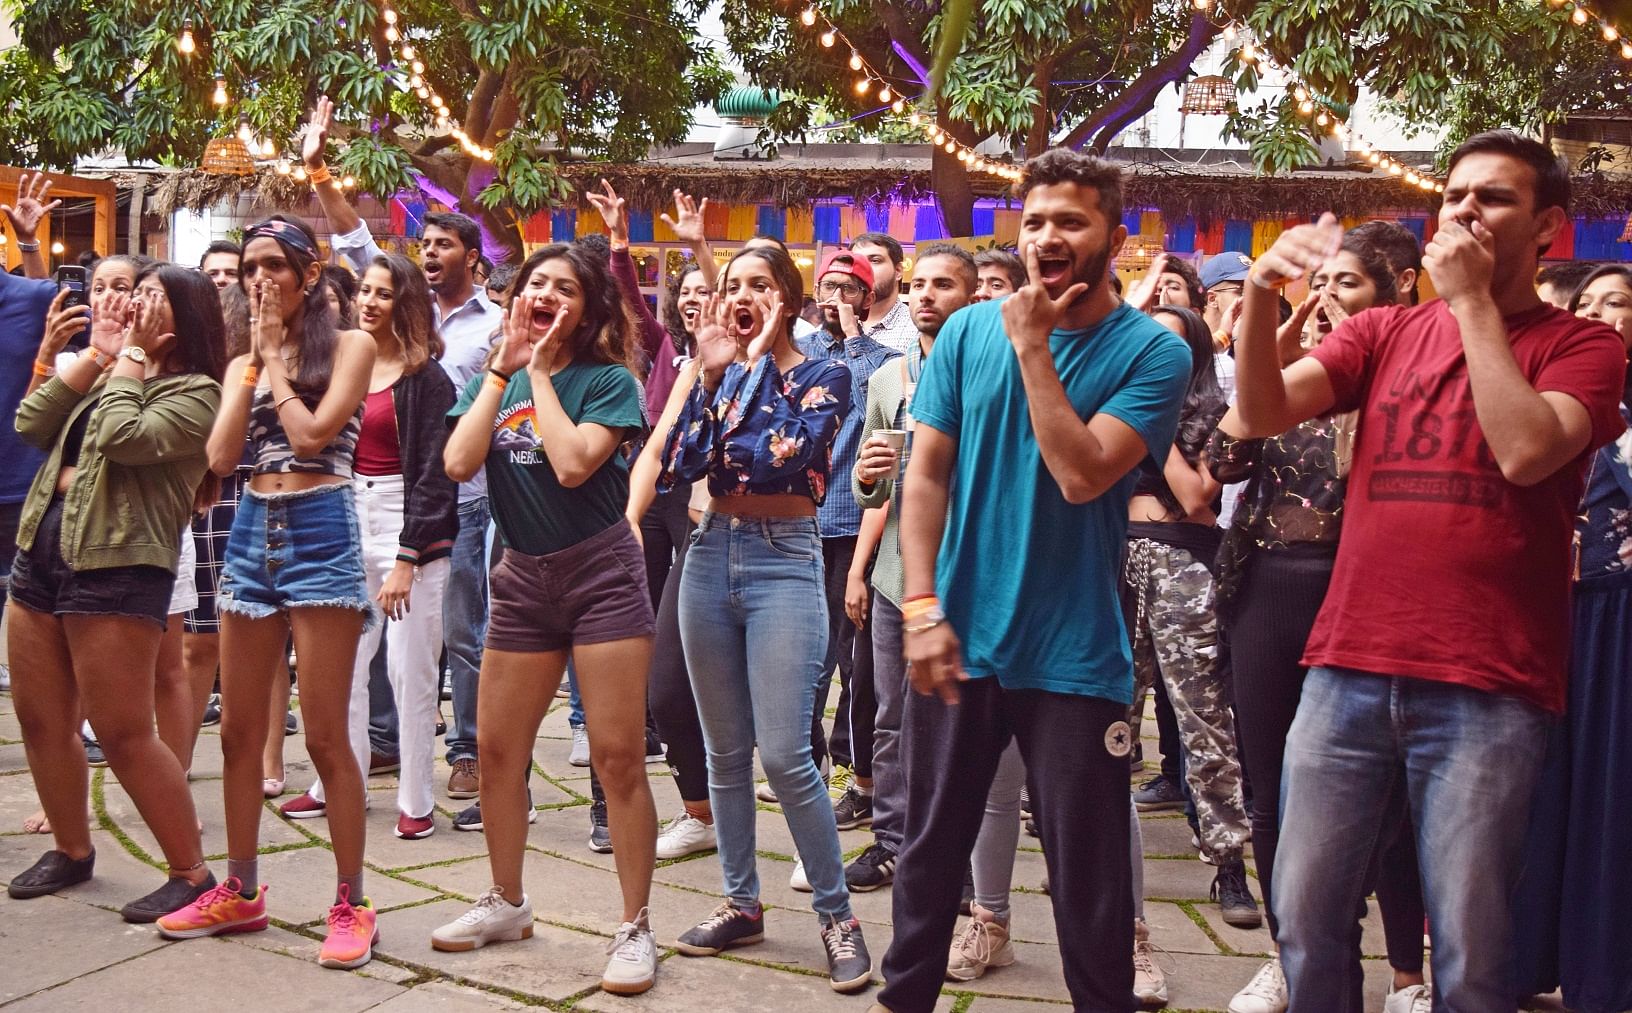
(352, 933)
(303, 807)
(217, 912)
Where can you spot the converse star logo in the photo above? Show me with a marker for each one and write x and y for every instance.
(1119, 739)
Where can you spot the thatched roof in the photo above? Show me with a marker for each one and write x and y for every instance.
(1204, 192)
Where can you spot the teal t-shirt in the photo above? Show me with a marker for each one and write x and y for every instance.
(535, 513)
(1029, 581)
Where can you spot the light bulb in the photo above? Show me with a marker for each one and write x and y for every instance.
(855, 60)
(220, 96)
(1610, 34)
(348, 181)
(407, 51)
(424, 92)
(828, 38)
(897, 106)
(863, 85)
(283, 167)
(1626, 50)
(950, 147)
(884, 94)
(390, 16)
(1229, 32)
(300, 172)
(1322, 119)
(391, 33)
(1301, 93)
(1306, 107)
(185, 44)
(57, 247)
(1579, 16)
(244, 133)
(419, 68)
(268, 149)
(915, 119)
(808, 18)
(414, 80)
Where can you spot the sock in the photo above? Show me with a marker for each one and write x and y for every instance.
(248, 874)
(355, 882)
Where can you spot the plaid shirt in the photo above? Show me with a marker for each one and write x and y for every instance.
(896, 331)
(839, 515)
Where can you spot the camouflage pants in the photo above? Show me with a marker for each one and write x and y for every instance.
(1175, 636)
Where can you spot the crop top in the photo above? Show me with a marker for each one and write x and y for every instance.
(379, 450)
(273, 454)
(762, 433)
(75, 440)
(1198, 422)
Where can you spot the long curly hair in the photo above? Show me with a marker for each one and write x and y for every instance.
(605, 333)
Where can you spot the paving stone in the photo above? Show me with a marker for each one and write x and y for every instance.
(1172, 930)
(268, 981)
(12, 758)
(32, 936)
(210, 811)
(17, 801)
(302, 887)
(446, 997)
(1166, 834)
(1178, 879)
(207, 754)
(554, 965)
(986, 1004)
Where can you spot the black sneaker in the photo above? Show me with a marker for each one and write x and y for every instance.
(175, 894)
(725, 928)
(470, 817)
(849, 965)
(1157, 794)
(212, 715)
(654, 748)
(1030, 827)
(853, 809)
(93, 752)
(1234, 899)
(872, 869)
(600, 838)
(54, 871)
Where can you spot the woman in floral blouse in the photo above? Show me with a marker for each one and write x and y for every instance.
(752, 615)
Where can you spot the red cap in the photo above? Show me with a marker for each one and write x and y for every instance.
(845, 262)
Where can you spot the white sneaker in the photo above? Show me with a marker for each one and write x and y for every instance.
(1265, 993)
(1410, 999)
(981, 946)
(492, 920)
(685, 835)
(1149, 983)
(579, 757)
(797, 881)
(633, 967)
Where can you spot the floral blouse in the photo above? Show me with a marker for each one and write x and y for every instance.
(762, 432)
(1293, 494)
(1604, 529)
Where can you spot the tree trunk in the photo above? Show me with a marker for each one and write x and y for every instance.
(455, 182)
(1042, 120)
(950, 180)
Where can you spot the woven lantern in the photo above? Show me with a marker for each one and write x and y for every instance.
(1207, 96)
(1626, 236)
(1137, 254)
(228, 156)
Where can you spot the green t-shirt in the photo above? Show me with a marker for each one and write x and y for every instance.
(534, 513)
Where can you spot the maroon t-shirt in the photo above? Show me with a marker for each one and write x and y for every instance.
(1446, 570)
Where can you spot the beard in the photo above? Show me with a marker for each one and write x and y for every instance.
(1094, 273)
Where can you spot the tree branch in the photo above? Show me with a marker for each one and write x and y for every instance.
(480, 110)
(1140, 96)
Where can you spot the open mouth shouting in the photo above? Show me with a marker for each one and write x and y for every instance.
(744, 322)
(543, 316)
(1053, 268)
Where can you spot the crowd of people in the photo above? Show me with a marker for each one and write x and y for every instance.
(1371, 554)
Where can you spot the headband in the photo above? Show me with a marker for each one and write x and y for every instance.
(285, 233)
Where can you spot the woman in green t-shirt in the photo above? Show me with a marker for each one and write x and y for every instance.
(548, 420)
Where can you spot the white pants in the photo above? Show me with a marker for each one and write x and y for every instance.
(413, 645)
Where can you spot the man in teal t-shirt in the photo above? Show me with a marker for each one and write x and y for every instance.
(1030, 419)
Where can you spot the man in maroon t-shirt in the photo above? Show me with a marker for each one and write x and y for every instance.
(1438, 659)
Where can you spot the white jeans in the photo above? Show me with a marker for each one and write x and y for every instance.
(412, 647)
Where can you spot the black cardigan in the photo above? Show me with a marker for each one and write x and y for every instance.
(430, 515)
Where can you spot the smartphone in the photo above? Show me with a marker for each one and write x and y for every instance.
(73, 278)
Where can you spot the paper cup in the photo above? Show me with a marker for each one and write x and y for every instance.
(897, 439)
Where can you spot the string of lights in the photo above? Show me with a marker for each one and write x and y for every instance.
(1581, 14)
(395, 35)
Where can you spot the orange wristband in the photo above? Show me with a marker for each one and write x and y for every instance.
(95, 355)
(41, 369)
(251, 376)
(321, 174)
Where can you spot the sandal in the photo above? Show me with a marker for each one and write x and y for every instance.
(272, 787)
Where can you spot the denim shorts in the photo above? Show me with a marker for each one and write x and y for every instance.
(295, 550)
(42, 580)
(590, 593)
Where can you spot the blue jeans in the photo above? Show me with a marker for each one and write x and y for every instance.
(464, 624)
(753, 622)
(575, 701)
(1468, 761)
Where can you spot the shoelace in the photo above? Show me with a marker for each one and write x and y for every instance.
(1269, 982)
(218, 894)
(722, 915)
(632, 943)
(1143, 959)
(343, 915)
(485, 904)
(841, 940)
(977, 941)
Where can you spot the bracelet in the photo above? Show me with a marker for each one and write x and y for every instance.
(26, 247)
(917, 608)
(41, 369)
(503, 378)
(321, 174)
(251, 376)
(923, 627)
(95, 355)
(283, 401)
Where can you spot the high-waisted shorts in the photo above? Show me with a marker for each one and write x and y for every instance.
(293, 550)
(42, 580)
(590, 593)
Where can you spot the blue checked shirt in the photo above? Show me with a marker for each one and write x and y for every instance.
(839, 516)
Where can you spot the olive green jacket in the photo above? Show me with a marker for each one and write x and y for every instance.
(139, 466)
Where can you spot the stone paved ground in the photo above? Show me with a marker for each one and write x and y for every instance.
(73, 951)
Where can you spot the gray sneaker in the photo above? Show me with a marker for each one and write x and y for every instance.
(600, 838)
(1157, 794)
(725, 928)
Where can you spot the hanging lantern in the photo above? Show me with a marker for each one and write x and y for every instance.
(1210, 95)
(1136, 255)
(228, 156)
(1626, 237)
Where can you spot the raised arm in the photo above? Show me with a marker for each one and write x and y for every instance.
(1268, 400)
(25, 217)
(350, 236)
(1531, 435)
(687, 226)
(614, 213)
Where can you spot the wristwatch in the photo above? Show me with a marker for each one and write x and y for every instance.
(135, 353)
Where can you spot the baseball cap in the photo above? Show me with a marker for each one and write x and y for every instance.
(845, 262)
(1224, 267)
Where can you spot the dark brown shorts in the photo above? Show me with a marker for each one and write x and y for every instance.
(591, 593)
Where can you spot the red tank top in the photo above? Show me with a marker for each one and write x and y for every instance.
(378, 452)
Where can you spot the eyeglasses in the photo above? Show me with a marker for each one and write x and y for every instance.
(1218, 291)
(832, 288)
